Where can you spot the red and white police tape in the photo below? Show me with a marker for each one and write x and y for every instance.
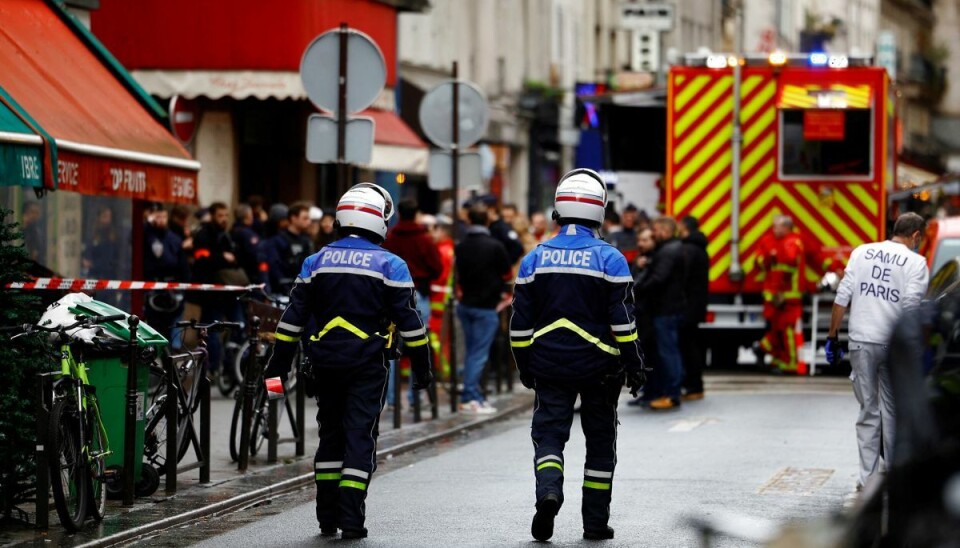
(80, 284)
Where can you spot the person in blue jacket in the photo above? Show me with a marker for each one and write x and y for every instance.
(351, 305)
(573, 333)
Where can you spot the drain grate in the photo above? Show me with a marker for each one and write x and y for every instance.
(796, 481)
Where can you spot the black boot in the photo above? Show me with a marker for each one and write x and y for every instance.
(601, 534)
(547, 508)
(328, 530)
(350, 534)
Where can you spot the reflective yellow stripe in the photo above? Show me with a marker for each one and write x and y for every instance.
(596, 485)
(413, 344)
(286, 338)
(521, 344)
(625, 338)
(550, 464)
(354, 485)
(784, 268)
(330, 476)
(338, 322)
(563, 322)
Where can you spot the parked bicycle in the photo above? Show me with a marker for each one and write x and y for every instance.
(75, 432)
(260, 423)
(188, 379)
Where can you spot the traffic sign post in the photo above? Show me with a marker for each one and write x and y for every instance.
(184, 117)
(355, 84)
(453, 114)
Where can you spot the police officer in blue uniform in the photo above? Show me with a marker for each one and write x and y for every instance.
(164, 260)
(573, 333)
(349, 305)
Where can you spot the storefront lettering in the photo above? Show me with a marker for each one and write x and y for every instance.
(128, 180)
(68, 173)
(183, 187)
(30, 168)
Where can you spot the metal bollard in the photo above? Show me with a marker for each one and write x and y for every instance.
(249, 390)
(172, 412)
(205, 428)
(301, 434)
(397, 401)
(130, 422)
(273, 436)
(43, 466)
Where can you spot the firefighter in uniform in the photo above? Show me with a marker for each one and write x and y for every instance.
(573, 333)
(350, 302)
(782, 261)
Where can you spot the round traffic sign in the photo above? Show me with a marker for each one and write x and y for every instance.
(436, 114)
(320, 71)
(184, 117)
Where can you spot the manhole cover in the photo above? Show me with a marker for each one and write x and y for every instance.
(796, 481)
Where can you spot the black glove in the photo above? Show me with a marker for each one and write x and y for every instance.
(422, 378)
(614, 385)
(527, 380)
(636, 378)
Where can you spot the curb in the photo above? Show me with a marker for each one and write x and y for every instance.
(291, 484)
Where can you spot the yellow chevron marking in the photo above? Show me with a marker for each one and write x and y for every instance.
(720, 216)
(721, 138)
(718, 241)
(716, 118)
(865, 198)
(690, 92)
(759, 101)
(853, 215)
(749, 84)
(719, 192)
(764, 173)
(814, 201)
(695, 189)
(719, 87)
(679, 80)
(765, 120)
(719, 268)
(758, 153)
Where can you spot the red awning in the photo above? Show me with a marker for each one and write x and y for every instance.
(389, 129)
(108, 142)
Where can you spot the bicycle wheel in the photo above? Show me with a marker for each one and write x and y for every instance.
(235, 426)
(69, 473)
(98, 466)
(155, 435)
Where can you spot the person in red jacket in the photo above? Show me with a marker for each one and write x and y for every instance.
(782, 260)
(413, 243)
(440, 290)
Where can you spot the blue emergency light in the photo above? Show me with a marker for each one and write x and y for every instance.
(818, 59)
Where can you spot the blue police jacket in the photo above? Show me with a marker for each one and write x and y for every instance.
(349, 305)
(573, 309)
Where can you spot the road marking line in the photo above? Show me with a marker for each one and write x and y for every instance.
(686, 425)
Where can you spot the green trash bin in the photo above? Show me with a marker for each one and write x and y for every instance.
(109, 375)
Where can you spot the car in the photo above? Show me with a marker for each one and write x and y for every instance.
(941, 243)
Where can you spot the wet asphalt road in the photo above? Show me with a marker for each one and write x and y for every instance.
(760, 453)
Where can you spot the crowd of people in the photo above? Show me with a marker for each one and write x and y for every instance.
(259, 245)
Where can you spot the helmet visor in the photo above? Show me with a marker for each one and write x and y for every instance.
(387, 200)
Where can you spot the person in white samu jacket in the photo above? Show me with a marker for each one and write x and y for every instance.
(881, 280)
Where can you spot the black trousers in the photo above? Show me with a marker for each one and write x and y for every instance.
(694, 357)
(552, 418)
(349, 402)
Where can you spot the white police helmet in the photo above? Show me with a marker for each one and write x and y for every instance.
(581, 194)
(365, 206)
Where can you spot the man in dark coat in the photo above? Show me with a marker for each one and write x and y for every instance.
(164, 260)
(697, 281)
(663, 289)
(410, 241)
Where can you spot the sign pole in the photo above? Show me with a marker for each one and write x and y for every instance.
(342, 113)
(455, 183)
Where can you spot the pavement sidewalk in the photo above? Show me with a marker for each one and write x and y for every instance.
(229, 489)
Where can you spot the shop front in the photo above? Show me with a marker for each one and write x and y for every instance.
(82, 147)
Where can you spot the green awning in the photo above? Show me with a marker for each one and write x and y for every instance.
(21, 147)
